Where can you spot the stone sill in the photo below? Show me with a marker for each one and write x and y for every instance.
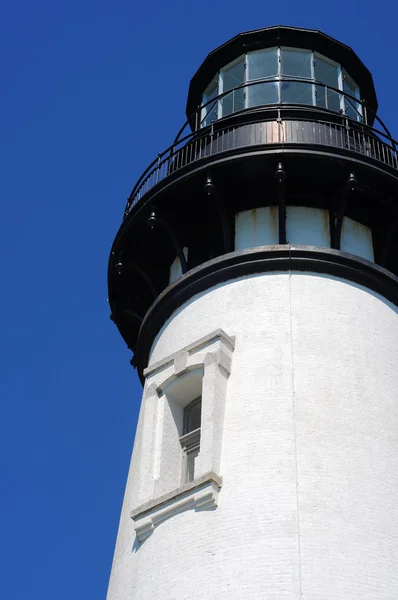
(200, 494)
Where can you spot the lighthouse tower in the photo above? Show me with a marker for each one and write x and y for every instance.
(254, 277)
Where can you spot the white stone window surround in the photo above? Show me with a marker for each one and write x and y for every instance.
(202, 368)
(200, 494)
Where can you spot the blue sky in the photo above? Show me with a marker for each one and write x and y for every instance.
(91, 92)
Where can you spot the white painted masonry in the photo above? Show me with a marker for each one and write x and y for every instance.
(307, 506)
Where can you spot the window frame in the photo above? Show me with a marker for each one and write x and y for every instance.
(263, 79)
(206, 97)
(356, 94)
(299, 51)
(200, 369)
(279, 80)
(190, 443)
(221, 84)
(327, 60)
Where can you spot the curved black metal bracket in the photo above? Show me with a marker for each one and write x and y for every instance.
(145, 276)
(337, 218)
(132, 313)
(153, 222)
(121, 265)
(280, 176)
(210, 190)
(117, 310)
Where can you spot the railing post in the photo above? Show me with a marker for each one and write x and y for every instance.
(280, 176)
(171, 153)
(279, 121)
(364, 112)
(347, 127)
(197, 118)
(158, 168)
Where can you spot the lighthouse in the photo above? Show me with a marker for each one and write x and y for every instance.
(254, 278)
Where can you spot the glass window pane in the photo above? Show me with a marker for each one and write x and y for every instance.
(232, 76)
(296, 93)
(193, 416)
(334, 100)
(320, 95)
(327, 72)
(190, 464)
(296, 63)
(263, 63)
(352, 108)
(328, 98)
(232, 102)
(209, 112)
(211, 90)
(263, 93)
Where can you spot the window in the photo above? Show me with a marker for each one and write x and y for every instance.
(327, 72)
(263, 93)
(231, 77)
(296, 63)
(178, 458)
(295, 92)
(351, 108)
(209, 112)
(190, 440)
(263, 64)
(268, 71)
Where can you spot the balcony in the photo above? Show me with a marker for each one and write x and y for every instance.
(264, 129)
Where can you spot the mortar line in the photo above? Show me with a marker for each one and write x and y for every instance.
(295, 432)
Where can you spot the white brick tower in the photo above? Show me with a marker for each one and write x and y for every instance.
(255, 279)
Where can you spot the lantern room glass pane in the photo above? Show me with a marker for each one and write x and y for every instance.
(272, 68)
(352, 108)
(296, 63)
(294, 92)
(328, 98)
(262, 64)
(320, 96)
(327, 72)
(209, 112)
(263, 93)
(231, 77)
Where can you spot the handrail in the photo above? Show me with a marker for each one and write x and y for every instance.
(358, 137)
(195, 116)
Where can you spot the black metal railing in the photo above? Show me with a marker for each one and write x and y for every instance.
(347, 103)
(343, 133)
